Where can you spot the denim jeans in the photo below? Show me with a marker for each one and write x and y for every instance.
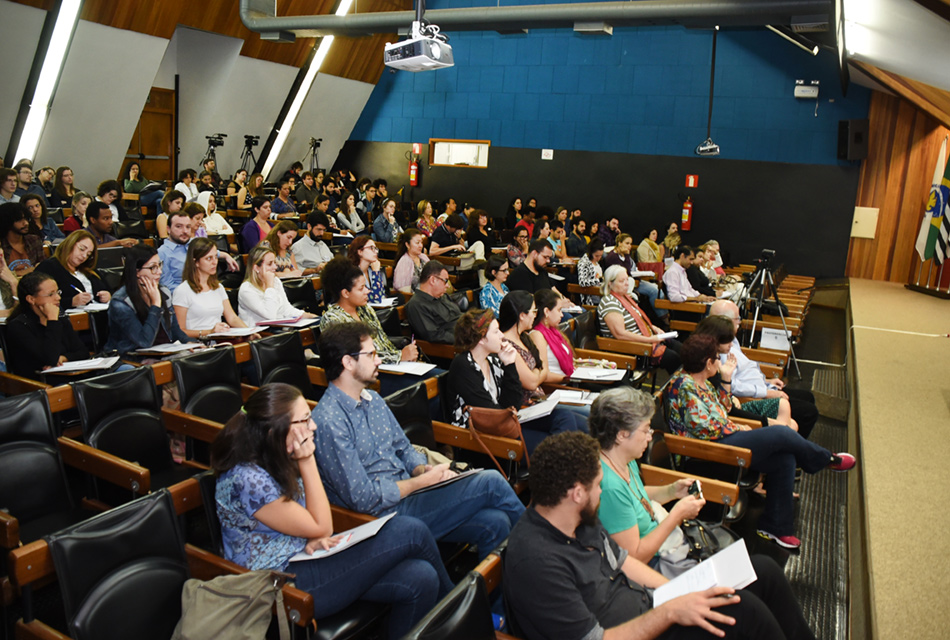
(776, 451)
(480, 509)
(560, 420)
(650, 291)
(400, 565)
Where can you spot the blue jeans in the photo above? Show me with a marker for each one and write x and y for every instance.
(152, 198)
(400, 565)
(776, 451)
(560, 420)
(480, 509)
(650, 291)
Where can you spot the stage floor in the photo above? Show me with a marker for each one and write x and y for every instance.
(903, 402)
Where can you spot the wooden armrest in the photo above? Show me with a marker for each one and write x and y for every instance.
(503, 448)
(622, 361)
(706, 450)
(114, 469)
(80, 321)
(163, 372)
(318, 376)
(246, 391)
(747, 422)
(713, 490)
(186, 495)
(624, 346)
(683, 325)
(772, 371)
(205, 566)
(37, 630)
(30, 563)
(436, 350)
(768, 356)
(490, 568)
(12, 385)
(687, 307)
(345, 519)
(587, 291)
(189, 425)
(9, 531)
(60, 398)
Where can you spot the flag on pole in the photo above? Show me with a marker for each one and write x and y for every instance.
(932, 238)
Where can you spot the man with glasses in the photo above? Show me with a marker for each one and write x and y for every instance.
(25, 184)
(8, 185)
(174, 250)
(432, 315)
(367, 464)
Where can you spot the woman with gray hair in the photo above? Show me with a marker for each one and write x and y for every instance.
(620, 420)
(622, 319)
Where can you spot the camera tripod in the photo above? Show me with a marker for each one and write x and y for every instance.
(209, 155)
(247, 157)
(313, 154)
(760, 278)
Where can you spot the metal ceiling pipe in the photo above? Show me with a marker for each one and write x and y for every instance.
(258, 16)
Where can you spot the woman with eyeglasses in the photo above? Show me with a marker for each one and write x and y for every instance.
(141, 313)
(73, 266)
(518, 249)
(496, 272)
(37, 338)
(410, 258)
(272, 505)
(364, 255)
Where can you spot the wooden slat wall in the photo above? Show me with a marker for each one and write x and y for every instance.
(902, 152)
(354, 58)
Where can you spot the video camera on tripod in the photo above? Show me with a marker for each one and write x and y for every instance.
(216, 139)
(251, 141)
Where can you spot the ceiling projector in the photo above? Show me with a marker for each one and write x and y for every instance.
(707, 148)
(425, 49)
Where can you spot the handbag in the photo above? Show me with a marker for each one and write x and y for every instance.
(495, 422)
(690, 543)
(237, 607)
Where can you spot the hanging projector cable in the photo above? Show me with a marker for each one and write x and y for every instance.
(707, 147)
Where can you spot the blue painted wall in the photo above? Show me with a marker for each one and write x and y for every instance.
(642, 91)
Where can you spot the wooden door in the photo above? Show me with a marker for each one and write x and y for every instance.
(153, 142)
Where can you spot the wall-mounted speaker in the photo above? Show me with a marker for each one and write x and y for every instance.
(852, 139)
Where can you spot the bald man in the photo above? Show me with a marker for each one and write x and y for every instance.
(749, 381)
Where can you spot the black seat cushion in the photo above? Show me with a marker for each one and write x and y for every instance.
(209, 384)
(411, 408)
(464, 614)
(279, 358)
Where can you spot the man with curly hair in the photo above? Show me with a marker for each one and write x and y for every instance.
(565, 578)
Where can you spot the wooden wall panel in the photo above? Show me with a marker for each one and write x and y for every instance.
(354, 58)
(903, 144)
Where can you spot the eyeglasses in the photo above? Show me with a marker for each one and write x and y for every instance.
(302, 420)
(372, 248)
(444, 280)
(505, 270)
(154, 268)
(58, 292)
(521, 237)
(357, 354)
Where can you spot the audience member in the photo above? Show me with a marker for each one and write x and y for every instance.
(518, 249)
(311, 252)
(590, 271)
(256, 229)
(8, 186)
(445, 237)
(172, 202)
(369, 465)
(484, 374)
(40, 223)
(410, 259)
(135, 182)
(678, 288)
(241, 192)
(648, 250)
(385, 226)
(214, 222)
(513, 213)
(186, 184)
(699, 410)
(261, 296)
(307, 193)
(672, 239)
(25, 185)
(36, 338)
(577, 242)
(63, 189)
(281, 206)
(206, 183)
(77, 217)
(8, 285)
(556, 352)
(44, 180)
(564, 577)
(527, 222)
(432, 315)
(280, 240)
(621, 253)
(141, 313)
(210, 166)
(478, 234)
(696, 277)
(531, 275)
(608, 231)
(73, 266)
(109, 192)
(349, 218)
(496, 273)
(426, 222)
(367, 203)
(621, 318)
(200, 301)
(364, 255)
(273, 505)
(22, 249)
(542, 230)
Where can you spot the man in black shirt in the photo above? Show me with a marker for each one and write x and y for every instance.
(445, 238)
(565, 578)
(530, 275)
(432, 315)
(576, 242)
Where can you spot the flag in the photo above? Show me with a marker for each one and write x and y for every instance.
(932, 238)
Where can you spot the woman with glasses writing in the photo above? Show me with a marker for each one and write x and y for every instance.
(141, 313)
(36, 337)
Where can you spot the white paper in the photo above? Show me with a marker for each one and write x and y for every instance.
(299, 323)
(667, 335)
(84, 365)
(235, 332)
(454, 478)
(730, 567)
(555, 276)
(573, 309)
(171, 347)
(342, 235)
(89, 308)
(642, 274)
(351, 537)
(570, 396)
(541, 409)
(597, 374)
(385, 303)
(413, 368)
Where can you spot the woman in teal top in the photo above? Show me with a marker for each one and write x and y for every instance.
(620, 420)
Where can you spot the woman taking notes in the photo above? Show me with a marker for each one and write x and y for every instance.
(200, 301)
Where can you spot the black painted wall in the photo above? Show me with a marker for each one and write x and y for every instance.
(802, 211)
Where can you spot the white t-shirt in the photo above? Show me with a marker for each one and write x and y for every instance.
(190, 190)
(256, 306)
(205, 309)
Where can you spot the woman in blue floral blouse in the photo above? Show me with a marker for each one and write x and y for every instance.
(363, 253)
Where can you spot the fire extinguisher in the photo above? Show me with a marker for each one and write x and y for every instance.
(687, 217)
(414, 173)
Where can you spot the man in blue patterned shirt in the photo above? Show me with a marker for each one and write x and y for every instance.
(368, 465)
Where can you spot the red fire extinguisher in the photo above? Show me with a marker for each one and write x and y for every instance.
(687, 217)
(414, 173)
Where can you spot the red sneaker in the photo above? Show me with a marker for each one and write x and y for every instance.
(787, 542)
(843, 462)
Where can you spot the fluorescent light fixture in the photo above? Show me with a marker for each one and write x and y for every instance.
(857, 38)
(795, 39)
(860, 18)
(294, 110)
(49, 77)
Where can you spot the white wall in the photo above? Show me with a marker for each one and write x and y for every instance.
(20, 28)
(165, 76)
(105, 83)
(330, 112)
